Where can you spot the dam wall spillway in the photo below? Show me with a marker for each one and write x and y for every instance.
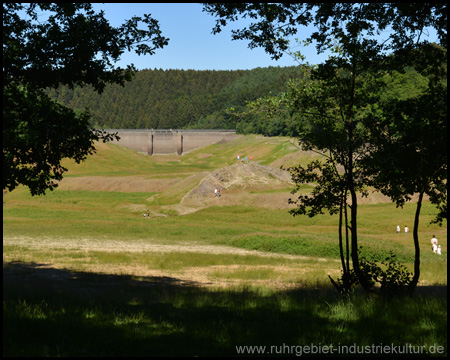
(170, 141)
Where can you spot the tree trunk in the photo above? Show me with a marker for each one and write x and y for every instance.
(341, 248)
(347, 245)
(351, 187)
(415, 280)
(355, 256)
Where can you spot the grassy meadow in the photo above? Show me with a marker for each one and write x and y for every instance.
(85, 273)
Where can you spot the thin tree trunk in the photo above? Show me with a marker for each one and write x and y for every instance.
(351, 187)
(355, 256)
(346, 232)
(341, 249)
(415, 280)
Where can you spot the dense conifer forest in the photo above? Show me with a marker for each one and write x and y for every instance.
(177, 99)
(191, 99)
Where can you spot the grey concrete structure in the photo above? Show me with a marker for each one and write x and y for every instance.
(170, 141)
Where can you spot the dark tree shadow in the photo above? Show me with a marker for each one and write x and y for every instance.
(58, 312)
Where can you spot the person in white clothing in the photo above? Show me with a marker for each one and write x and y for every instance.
(434, 244)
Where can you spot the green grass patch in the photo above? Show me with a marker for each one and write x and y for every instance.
(174, 260)
(309, 245)
(90, 314)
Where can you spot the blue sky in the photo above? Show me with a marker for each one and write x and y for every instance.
(191, 44)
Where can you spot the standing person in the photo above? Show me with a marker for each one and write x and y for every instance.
(434, 243)
(246, 160)
(218, 193)
(251, 158)
(406, 229)
(398, 229)
(215, 192)
(434, 248)
(238, 158)
(148, 214)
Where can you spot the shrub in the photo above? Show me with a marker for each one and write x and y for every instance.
(346, 284)
(389, 280)
(394, 279)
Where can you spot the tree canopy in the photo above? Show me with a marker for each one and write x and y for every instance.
(336, 109)
(175, 98)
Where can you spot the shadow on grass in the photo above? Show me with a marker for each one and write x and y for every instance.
(54, 312)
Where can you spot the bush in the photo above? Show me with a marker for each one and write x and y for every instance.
(394, 279)
(389, 280)
(346, 284)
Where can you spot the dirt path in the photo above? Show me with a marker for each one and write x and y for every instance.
(211, 275)
(136, 246)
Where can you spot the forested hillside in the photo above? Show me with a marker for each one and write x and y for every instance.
(190, 99)
(176, 99)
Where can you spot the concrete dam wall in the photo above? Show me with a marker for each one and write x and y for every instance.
(170, 141)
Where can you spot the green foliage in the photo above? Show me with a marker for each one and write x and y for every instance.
(29, 118)
(272, 24)
(73, 46)
(393, 278)
(174, 99)
(327, 194)
(334, 103)
(410, 130)
(389, 280)
(346, 284)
